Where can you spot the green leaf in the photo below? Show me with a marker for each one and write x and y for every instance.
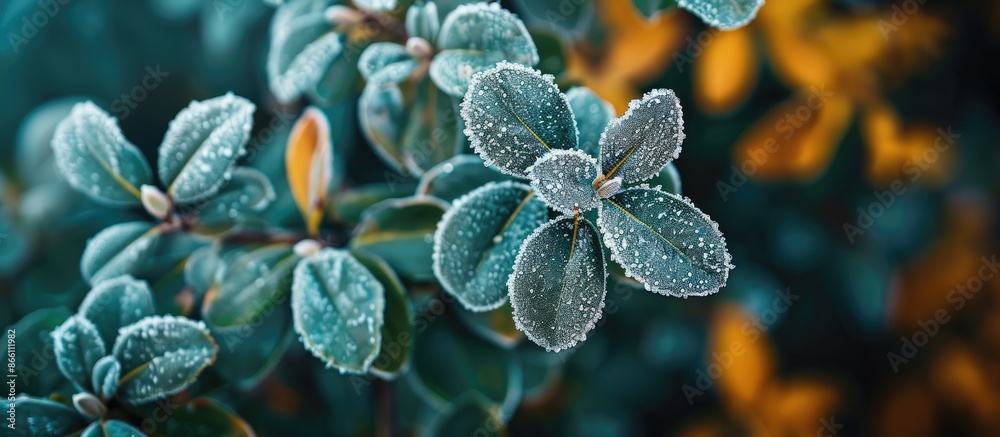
(564, 178)
(111, 428)
(160, 356)
(514, 115)
(401, 232)
(34, 348)
(376, 5)
(423, 21)
(96, 159)
(204, 417)
(636, 146)
(650, 8)
(306, 53)
(248, 191)
(397, 332)
(248, 352)
(451, 179)
(202, 144)
(338, 308)
(375, 61)
(559, 283)
(723, 14)
(48, 418)
(118, 250)
(201, 267)
(104, 378)
(468, 415)
(592, 115)
(496, 326)
(116, 303)
(668, 179)
(78, 347)
(665, 242)
(474, 38)
(249, 286)
(478, 238)
(351, 204)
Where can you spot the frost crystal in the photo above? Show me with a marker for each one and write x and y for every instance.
(563, 179)
(636, 146)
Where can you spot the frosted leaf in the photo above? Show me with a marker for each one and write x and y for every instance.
(469, 414)
(118, 250)
(401, 232)
(305, 53)
(397, 331)
(338, 308)
(477, 240)
(513, 115)
(558, 285)
(723, 14)
(111, 428)
(422, 21)
(160, 356)
(592, 116)
(376, 5)
(78, 347)
(202, 144)
(200, 268)
(105, 376)
(42, 417)
(381, 55)
(564, 178)
(451, 179)
(668, 179)
(637, 145)
(474, 38)
(115, 303)
(248, 191)
(96, 159)
(250, 286)
(666, 243)
(382, 116)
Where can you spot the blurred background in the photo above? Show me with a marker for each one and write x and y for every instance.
(847, 148)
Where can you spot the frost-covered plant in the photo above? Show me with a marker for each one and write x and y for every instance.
(498, 241)
(721, 14)
(119, 355)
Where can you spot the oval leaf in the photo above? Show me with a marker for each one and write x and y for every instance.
(78, 347)
(204, 417)
(397, 331)
(723, 14)
(118, 250)
(162, 355)
(564, 178)
(248, 191)
(665, 242)
(477, 240)
(47, 417)
(304, 52)
(422, 21)
(111, 428)
(514, 114)
(376, 5)
(468, 415)
(116, 303)
(496, 326)
(250, 285)
(96, 159)
(451, 179)
(309, 165)
(338, 307)
(592, 115)
(474, 38)
(637, 145)
(202, 144)
(401, 232)
(104, 378)
(559, 283)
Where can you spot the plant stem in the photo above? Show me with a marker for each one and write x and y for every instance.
(385, 400)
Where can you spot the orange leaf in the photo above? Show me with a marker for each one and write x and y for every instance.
(726, 72)
(741, 359)
(309, 164)
(906, 153)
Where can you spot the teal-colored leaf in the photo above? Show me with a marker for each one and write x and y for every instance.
(422, 21)
(564, 180)
(514, 114)
(474, 38)
(559, 283)
(96, 159)
(668, 179)
(451, 179)
(376, 5)
(305, 52)
(160, 356)
(338, 308)
(116, 303)
(202, 144)
(351, 204)
(249, 286)
(118, 250)
(592, 115)
(397, 331)
(495, 326)
(650, 8)
(401, 232)
(636, 146)
(478, 238)
(381, 55)
(111, 428)
(104, 378)
(36, 344)
(78, 346)
(248, 191)
(723, 14)
(204, 417)
(665, 242)
(33, 152)
(48, 418)
(201, 267)
(382, 116)
(470, 414)
(248, 352)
